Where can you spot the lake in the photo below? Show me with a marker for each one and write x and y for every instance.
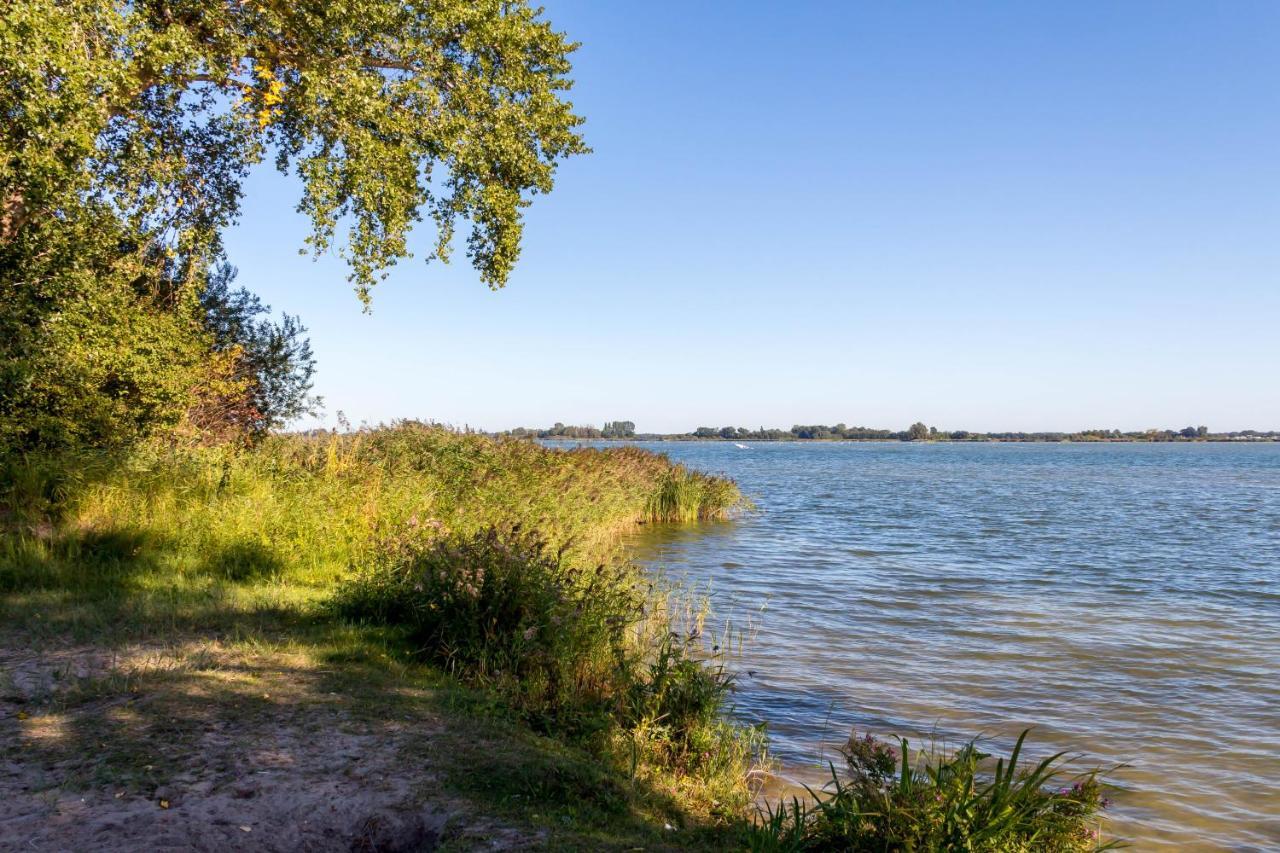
(1123, 599)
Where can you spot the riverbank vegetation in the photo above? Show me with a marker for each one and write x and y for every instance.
(483, 568)
(457, 604)
(461, 586)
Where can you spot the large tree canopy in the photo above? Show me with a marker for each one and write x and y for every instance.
(128, 129)
(388, 111)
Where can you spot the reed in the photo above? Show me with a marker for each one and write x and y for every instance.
(687, 496)
(318, 506)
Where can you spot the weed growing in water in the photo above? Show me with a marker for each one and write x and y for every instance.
(941, 802)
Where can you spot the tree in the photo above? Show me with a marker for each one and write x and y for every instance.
(618, 429)
(129, 128)
(917, 432)
(97, 348)
(274, 359)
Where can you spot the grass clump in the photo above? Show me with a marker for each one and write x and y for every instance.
(686, 496)
(941, 802)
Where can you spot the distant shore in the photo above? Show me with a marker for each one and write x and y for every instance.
(1265, 439)
(918, 431)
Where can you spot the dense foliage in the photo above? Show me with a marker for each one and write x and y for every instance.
(501, 608)
(128, 131)
(155, 110)
(578, 649)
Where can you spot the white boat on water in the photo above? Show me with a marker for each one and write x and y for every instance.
(743, 446)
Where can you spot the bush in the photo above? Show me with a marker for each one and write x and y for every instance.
(677, 702)
(499, 608)
(592, 654)
(947, 802)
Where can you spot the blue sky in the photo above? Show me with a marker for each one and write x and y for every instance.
(983, 216)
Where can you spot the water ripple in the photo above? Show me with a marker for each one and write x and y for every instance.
(1124, 599)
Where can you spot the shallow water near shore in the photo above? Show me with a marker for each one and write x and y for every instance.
(1122, 599)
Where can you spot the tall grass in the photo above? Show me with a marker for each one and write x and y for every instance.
(320, 505)
(495, 560)
(684, 495)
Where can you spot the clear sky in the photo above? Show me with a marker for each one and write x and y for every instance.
(980, 215)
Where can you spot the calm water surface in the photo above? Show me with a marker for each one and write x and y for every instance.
(1123, 599)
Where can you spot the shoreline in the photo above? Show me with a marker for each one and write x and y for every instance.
(677, 440)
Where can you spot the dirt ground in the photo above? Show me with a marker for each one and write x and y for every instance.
(203, 746)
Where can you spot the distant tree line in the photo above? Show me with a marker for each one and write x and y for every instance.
(611, 429)
(918, 431)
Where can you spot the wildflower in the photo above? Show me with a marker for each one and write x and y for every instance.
(530, 633)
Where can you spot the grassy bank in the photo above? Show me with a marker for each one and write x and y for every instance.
(565, 697)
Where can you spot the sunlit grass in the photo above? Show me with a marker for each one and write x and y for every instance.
(163, 546)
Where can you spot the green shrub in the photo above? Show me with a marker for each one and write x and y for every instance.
(943, 803)
(594, 654)
(678, 701)
(500, 608)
